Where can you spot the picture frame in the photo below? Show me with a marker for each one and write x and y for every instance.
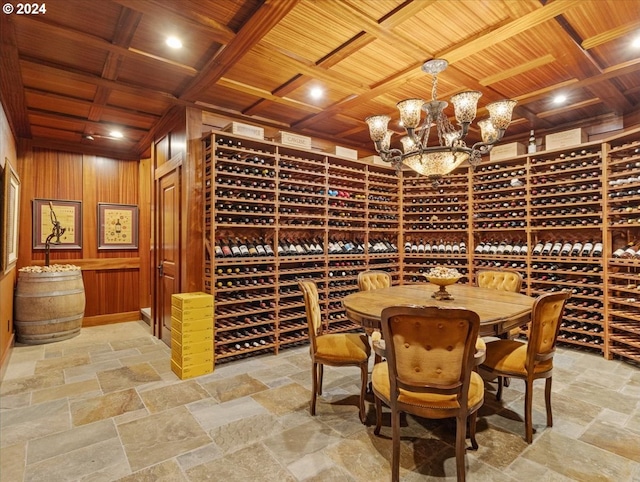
(67, 213)
(10, 214)
(117, 226)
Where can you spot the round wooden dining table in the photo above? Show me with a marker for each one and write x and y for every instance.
(499, 311)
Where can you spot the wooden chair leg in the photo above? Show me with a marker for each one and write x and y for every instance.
(461, 428)
(499, 392)
(321, 373)
(364, 374)
(547, 401)
(314, 389)
(395, 457)
(378, 415)
(528, 402)
(473, 418)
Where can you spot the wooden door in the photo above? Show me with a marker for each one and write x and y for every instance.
(167, 277)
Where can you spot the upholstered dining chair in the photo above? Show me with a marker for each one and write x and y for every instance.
(532, 360)
(504, 279)
(373, 280)
(333, 349)
(428, 372)
(499, 279)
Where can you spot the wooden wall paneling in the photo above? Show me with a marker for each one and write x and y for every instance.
(93, 182)
(144, 233)
(193, 232)
(111, 291)
(26, 171)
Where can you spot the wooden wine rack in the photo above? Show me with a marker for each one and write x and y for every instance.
(266, 191)
(568, 194)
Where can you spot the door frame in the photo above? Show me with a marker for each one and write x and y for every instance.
(174, 164)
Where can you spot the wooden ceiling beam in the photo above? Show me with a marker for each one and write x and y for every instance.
(99, 128)
(11, 85)
(505, 32)
(128, 22)
(568, 107)
(54, 71)
(160, 10)
(270, 13)
(84, 147)
(144, 116)
(52, 29)
(248, 89)
(610, 35)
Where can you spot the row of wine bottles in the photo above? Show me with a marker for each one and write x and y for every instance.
(568, 248)
(594, 186)
(587, 221)
(505, 174)
(628, 251)
(435, 247)
(502, 248)
(231, 247)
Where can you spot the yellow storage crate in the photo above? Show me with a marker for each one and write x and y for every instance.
(190, 337)
(191, 348)
(198, 299)
(192, 313)
(185, 360)
(182, 326)
(191, 370)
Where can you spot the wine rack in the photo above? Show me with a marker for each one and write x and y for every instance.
(567, 219)
(435, 225)
(566, 230)
(275, 215)
(623, 199)
(383, 221)
(500, 218)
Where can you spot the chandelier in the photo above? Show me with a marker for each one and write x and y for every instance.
(439, 160)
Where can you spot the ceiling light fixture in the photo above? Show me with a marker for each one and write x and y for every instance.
(112, 135)
(316, 93)
(174, 42)
(560, 99)
(439, 160)
(636, 42)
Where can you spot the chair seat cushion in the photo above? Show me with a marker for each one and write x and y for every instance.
(343, 347)
(509, 356)
(380, 381)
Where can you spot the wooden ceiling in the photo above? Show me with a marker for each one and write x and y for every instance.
(86, 67)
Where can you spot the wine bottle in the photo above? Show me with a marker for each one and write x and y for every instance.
(235, 250)
(244, 250)
(546, 250)
(618, 253)
(566, 249)
(251, 247)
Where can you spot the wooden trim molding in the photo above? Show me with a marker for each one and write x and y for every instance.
(91, 264)
(111, 318)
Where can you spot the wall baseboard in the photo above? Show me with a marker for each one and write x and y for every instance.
(111, 318)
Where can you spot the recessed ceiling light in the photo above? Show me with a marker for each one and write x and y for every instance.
(635, 43)
(316, 93)
(560, 99)
(116, 134)
(174, 42)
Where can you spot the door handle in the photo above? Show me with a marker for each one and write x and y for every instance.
(161, 270)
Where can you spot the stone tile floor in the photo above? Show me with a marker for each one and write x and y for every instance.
(105, 406)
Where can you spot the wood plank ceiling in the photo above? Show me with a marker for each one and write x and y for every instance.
(84, 68)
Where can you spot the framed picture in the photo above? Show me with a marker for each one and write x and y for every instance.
(51, 213)
(10, 213)
(117, 226)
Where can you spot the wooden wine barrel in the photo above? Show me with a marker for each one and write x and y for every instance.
(49, 306)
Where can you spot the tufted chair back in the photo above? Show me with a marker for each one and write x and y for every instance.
(312, 307)
(502, 280)
(373, 280)
(546, 317)
(430, 348)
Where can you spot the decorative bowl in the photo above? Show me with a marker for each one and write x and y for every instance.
(442, 293)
